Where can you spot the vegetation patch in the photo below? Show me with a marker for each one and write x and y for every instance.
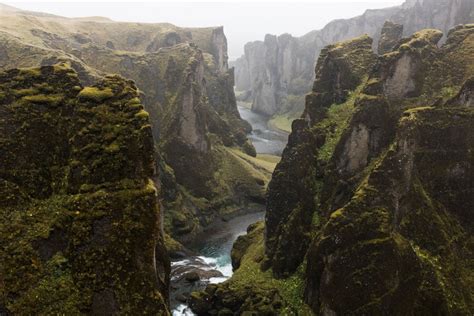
(281, 122)
(250, 276)
(95, 94)
(336, 121)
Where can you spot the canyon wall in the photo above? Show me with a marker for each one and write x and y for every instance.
(94, 182)
(186, 87)
(81, 223)
(369, 210)
(279, 69)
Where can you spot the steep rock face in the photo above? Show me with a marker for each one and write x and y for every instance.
(390, 173)
(466, 95)
(242, 75)
(341, 68)
(390, 249)
(186, 87)
(81, 220)
(272, 65)
(390, 36)
(369, 210)
(273, 82)
(219, 49)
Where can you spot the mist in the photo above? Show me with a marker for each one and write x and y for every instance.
(243, 21)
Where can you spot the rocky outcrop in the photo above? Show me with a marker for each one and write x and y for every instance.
(340, 69)
(390, 36)
(272, 65)
(381, 173)
(246, 294)
(219, 49)
(242, 75)
(279, 68)
(466, 95)
(369, 210)
(187, 89)
(81, 230)
(392, 237)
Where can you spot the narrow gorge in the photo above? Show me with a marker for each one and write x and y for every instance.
(143, 172)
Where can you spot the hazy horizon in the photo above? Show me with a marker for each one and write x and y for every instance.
(243, 21)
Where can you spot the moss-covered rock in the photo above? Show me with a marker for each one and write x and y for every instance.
(249, 149)
(382, 185)
(374, 193)
(392, 248)
(252, 291)
(341, 68)
(390, 35)
(296, 183)
(185, 86)
(80, 230)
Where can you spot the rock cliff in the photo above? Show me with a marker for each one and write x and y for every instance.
(186, 87)
(390, 36)
(80, 230)
(369, 210)
(278, 70)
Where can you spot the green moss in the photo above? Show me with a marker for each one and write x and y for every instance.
(113, 148)
(250, 274)
(134, 103)
(52, 99)
(172, 245)
(95, 94)
(55, 294)
(61, 68)
(25, 92)
(336, 121)
(33, 72)
(248, 148)
(79, 209)
(336, 214)
(142, 114)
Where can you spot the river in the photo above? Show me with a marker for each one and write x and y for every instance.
(265, 140)
(213, 247)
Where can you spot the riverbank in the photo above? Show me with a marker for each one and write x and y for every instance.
(265, 139)
(208, 259)
(281, 123)
(212, 262)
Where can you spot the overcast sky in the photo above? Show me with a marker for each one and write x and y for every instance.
(243, 21)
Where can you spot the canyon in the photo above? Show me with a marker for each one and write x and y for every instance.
(368, 212)
(276, 73)
(330, 174)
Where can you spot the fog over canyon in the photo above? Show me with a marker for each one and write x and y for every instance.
(237, 158)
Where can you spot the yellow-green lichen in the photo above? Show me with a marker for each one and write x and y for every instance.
(52, 99)
(95, 94)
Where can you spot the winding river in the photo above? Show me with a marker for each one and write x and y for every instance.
(265, 140)
(214, 245)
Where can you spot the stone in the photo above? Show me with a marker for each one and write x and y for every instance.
(88, 221)
(192, 276)
(390, 35)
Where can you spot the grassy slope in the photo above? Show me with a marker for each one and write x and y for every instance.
(249, 274)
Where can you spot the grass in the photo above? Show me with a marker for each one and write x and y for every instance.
(338, 116)
(291, 289)
(44, 99)
(269, 158)
(95, 94)
(262, 164)
(281, 122)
